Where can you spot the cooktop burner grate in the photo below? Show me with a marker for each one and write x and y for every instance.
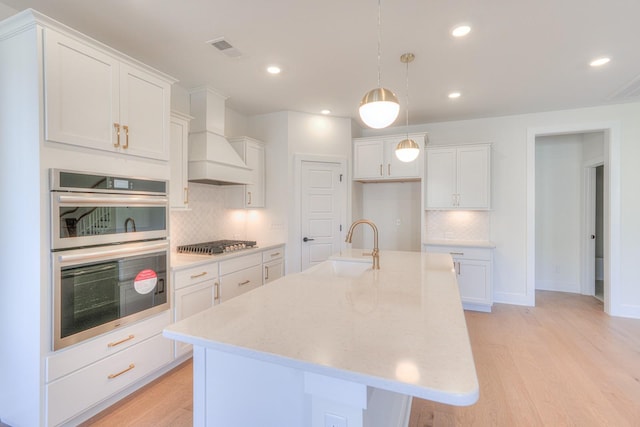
(216, 247)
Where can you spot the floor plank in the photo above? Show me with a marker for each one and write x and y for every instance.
(561, 363)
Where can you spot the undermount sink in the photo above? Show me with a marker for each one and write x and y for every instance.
(340, 268)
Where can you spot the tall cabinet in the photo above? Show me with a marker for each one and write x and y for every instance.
(69, 102)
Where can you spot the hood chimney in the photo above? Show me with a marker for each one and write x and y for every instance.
(212, 160)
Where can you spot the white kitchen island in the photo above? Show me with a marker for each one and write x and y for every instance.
(337, 345)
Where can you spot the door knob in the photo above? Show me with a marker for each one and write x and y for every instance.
(306, 239)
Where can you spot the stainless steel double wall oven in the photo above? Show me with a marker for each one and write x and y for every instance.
(110, 253)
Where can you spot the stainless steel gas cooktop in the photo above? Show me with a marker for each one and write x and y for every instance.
(216, 247)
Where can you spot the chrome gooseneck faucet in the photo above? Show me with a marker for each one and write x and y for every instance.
(375, 253)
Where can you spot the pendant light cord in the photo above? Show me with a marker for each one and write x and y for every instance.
(379, 42)
(407, 112)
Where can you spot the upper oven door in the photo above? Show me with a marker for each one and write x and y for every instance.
(90, 219)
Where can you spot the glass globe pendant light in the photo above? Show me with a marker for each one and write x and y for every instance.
(407, 150)
(379, 107)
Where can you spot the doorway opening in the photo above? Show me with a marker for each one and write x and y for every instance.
(561, 184)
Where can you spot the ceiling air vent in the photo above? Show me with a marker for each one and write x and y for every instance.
(627, 92)
(225, 47)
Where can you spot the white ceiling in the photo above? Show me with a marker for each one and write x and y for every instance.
(521, 56)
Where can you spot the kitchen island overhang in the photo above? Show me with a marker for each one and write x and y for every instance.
(400, 329)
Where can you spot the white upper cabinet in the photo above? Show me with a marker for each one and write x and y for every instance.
(374, 159)
(94, 100)
(458, 177)
(179, 181)
(251, 151)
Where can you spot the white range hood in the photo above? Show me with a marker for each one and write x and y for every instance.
(212, 160)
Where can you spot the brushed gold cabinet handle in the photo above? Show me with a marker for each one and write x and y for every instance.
(266, 272)
(249, 197)
(246, 282)
(456, 253)
(113, 344)
(195, 276)
(112, 376)
(126, 133)
(275, 254)
(216, 291)
(380, 170)
(117, 126)
(186, 195)
(389, 169)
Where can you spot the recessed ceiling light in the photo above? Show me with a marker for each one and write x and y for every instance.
(454, 95)
(461, 31)
(325, 112)
(273, 69)
(599, 62)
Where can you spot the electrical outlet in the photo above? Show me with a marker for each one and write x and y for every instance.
(333, 420)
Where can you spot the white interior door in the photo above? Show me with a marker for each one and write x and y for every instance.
(322, 189)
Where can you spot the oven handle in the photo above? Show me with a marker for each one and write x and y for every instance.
(101, 253)
(112, 200)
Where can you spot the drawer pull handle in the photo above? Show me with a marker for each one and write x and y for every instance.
(195, 276)
(112, 376)
(456, 253)
(113, 344)
(216, 291)
(276, 254)
(246, 282)
(266, 272)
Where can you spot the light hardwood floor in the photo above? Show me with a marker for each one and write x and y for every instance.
(561, 363)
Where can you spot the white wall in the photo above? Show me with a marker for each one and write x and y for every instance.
(395, 207)
(559, 210)
(509, 138)
(288, 134)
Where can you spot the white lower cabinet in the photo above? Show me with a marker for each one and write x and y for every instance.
(196, 290)
(272, 264)
(240, 275)
(474, 273)
(76, 385)
(189, 301)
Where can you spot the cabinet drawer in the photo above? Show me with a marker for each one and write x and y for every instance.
(240, 263)
(461, 252)
(70, 359)
(193, 275)
(76, 392)
(234, 284)
(273, 254)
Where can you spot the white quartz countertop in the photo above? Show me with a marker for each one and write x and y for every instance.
(401, 328)
(180, 261)
(461, 243)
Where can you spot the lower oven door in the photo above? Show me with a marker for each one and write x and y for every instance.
(101, 288)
